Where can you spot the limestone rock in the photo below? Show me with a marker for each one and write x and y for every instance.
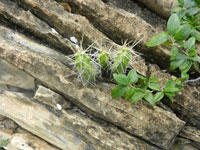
(183, 144)
(162, 7)
(152, 124)
(15, 39)
(32, 24)
(24, 141)
(190, 133)
(69, 131)
(51, 98)
(10, 75)
(65, 23)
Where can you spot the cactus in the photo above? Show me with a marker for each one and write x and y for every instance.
(121, 61)
(103, 59)
(85, 66)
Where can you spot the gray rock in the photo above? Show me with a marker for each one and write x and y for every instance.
(190, 133)
(32, 24)
(152, 124)
(11, 75)
(23, 141)
(8, 36)
(48, 97)
(70, 131)
(65, 23)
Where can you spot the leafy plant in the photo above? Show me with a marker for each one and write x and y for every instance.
(135, 87)
(182, 33)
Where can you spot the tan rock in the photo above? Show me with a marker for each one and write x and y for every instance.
(48, 97)
(162, 7)
(10, 75)
(15, 39)
(24, 141)
(190, 133)
(152, 124)
(32, 24)
(69, 131)
(65, 23)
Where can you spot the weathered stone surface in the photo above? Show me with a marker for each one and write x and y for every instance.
(152, 124)
(23, 141)
(190, 133)
(15, 39)
(70, 131)
(134, 7)
(31, 23)
(183, 144)
(122, 25)
(51, 98)
(187, 102)
(162, 7)
(65, 23)
(10, 75)
(2, 118)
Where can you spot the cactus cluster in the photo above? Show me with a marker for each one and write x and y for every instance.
(89, 66)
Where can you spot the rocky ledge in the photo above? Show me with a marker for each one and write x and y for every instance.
(43, 105)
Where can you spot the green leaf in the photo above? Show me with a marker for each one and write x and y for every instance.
(183, 33)
(170, 83)
(190, 43)
(196, 34)
(137, 96)
(192, 53)
(121, 79)
(181, 2)
(173, 24)
(170, 97)
(170, 86)
(175, 52)
(196, 66)
(154, 86)
(189, 3)
(181, 13)
(158, 39)
(158, 96)
(118, 91)
(185, 66)
(192, 11)
(184, 75)
(197, 59)
(172, 89)
(177, 62)
(132, 76)
(149, 98)
(178, 81)
(153, 79)
(129, 93)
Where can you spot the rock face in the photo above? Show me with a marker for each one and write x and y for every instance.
(40, 91)
(154, 123)
(69, 130)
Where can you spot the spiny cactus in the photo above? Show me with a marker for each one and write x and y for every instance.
(121, 61)
(85, 66)
(103, 59)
